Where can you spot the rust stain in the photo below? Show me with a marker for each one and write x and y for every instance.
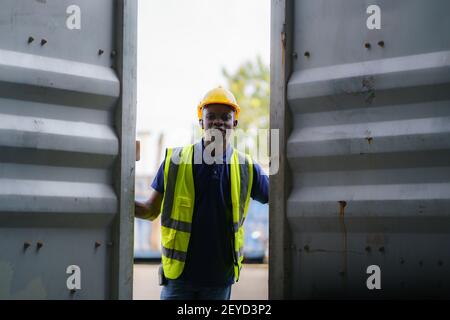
(138, 150)
(369, 140)
(342, 205)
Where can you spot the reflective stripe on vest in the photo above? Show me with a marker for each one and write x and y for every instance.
(178, 206)
(241, 172)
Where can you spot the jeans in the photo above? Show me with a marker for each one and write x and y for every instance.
(182, 290)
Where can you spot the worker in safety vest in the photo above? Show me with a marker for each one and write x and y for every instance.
(202, 192)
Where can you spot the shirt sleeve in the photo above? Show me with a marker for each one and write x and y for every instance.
(158, 182)
(260, 186)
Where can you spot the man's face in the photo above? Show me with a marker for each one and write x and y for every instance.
(220, 117)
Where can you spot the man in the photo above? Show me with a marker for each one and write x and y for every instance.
(203, 192)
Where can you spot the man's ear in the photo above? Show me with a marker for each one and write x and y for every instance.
(200, 122)
(235, 123)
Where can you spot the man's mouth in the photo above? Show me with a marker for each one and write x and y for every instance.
(221, 130)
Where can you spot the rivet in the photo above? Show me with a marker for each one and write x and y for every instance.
(440, 263)
(368, 249)
(381, 249)
(402, 261)
(39, 244)
(381, 43)
(367, 45)
(100, 52)
(43, 42)
(306, 248)
(113, 53)
(307, 54)
(97, 244)
(26, 244)
(30, 40)
(295, 55)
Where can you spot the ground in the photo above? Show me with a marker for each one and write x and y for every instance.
(253, 284)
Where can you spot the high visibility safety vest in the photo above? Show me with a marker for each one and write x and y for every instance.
(178, 206)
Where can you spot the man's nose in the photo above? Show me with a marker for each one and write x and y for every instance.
(218, 122)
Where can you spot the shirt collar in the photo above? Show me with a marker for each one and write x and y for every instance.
(200, 146)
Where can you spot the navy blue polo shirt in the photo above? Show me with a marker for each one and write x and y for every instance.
(209, 260)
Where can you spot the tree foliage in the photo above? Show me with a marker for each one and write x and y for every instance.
(250, 84)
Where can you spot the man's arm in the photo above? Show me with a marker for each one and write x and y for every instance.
(149, 209)
(260, 187)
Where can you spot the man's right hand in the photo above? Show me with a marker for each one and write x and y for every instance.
(149, 209)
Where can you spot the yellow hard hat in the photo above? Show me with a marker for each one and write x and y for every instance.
(219, 95)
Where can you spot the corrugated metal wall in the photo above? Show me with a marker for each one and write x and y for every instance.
(365, 174)
(67, 118)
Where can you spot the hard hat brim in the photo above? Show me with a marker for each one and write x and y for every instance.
(233, 106)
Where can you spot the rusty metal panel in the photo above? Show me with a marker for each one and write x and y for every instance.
(368, 151)
(66, 140)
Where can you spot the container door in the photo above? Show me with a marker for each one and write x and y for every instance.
(67, 125)
(361, 94)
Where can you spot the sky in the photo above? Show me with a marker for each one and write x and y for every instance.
(182, 48)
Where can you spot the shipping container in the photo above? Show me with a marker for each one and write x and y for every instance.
(67, 148)
(360, 91)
